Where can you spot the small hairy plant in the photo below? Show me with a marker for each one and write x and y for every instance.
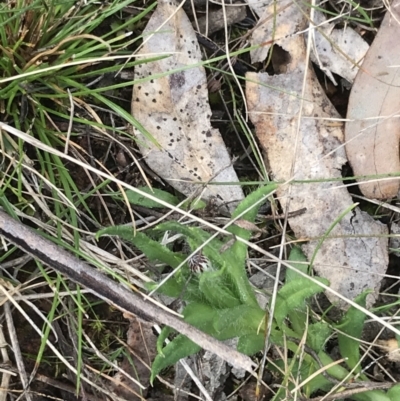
(221, 302)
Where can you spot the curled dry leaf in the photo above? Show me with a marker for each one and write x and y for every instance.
(248, 225)
(354, 256)
(175, 110)
(278, 21)
(373, 130)
(142, 344)
(334, 50)
(390, 346)
(338, 51)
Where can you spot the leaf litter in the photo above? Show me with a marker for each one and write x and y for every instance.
(175, 110)
(302, 140)
(188, 153)
(373, 129)
(335, 50)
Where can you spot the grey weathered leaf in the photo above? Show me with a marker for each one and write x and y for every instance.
(334, 50)
(337, 50)
(175, 110)
(354, 257)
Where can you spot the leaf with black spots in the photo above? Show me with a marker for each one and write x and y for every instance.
(174, 109)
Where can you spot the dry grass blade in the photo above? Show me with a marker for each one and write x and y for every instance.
(17, 352)
(6, 376)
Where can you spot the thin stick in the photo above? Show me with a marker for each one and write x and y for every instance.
(110, 291)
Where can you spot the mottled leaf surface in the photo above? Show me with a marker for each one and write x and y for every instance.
(354, 256)
(174, 109)
(335, 50)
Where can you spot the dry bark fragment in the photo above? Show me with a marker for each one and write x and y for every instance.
(214, 20)
(350, 260)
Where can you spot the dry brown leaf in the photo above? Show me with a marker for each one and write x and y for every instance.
(175, 110)
(142, 343)
(215, 20)
(355, 259)
(391, 346)
(248, 225)
(373, 132)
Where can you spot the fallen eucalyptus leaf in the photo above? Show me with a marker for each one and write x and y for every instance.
(354, 256)
(215, 20)
(188, 153)
(278, 21)
(373, 129)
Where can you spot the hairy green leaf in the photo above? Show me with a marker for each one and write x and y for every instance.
(178, 286)
(242, 319)
(317, 335)
(214, 286)
(204, 317)
(394, 393)
(180, 347)
(142, 200)
(350, 330)
(301, 372)
(172, 287)
(250, 202)
(236, 255)
(250, 344)
(319, 382)
(336, 371)
(373, 395)
(152, 249)
(293, 295)
(196, 237)
(298, 260)
(165, 332)
(201, 316)
(193, 204)
(297, 316)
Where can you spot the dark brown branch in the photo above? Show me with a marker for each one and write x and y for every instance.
(110, 291)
